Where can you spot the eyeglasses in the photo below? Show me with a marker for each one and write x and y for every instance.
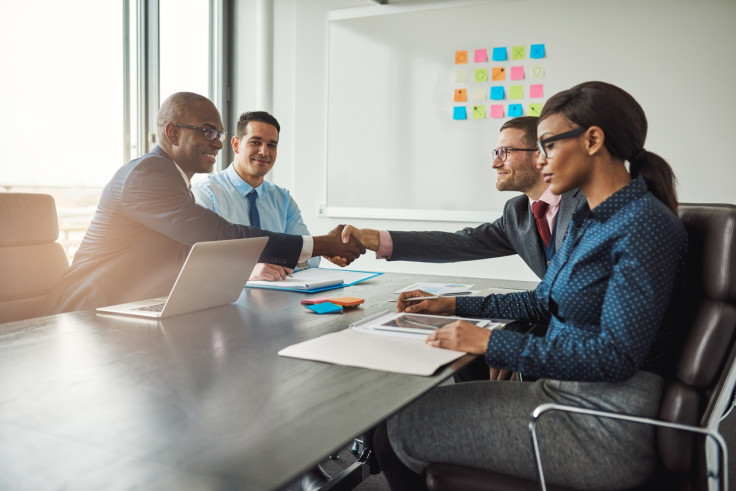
(542, 144)
(503, 152)
(209, 133)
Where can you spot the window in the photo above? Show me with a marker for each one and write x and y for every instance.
(74, 110)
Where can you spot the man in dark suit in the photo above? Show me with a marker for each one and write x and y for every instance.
(515, 232)
(147, 219)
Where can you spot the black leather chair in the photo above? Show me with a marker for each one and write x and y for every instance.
(699, 393)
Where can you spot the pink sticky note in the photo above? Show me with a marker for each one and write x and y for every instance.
(536, 90)
(517, 73)
(481, 56)
(497, 110)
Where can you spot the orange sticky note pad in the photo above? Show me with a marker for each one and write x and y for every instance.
(461, 57)
(461, 95)
(498, 73)
(347, 301)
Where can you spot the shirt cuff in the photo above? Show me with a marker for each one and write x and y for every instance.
(307, 248)
(385, 246)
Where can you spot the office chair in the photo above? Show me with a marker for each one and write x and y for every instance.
(31, 262)
(692, 453)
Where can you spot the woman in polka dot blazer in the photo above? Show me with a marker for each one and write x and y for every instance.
(606, 297)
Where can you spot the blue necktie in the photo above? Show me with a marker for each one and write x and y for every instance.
(255, 218)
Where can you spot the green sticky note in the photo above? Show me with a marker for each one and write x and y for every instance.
(479, 112)
(535, 109)
(516, 92)
(481, 75)
(518, 52)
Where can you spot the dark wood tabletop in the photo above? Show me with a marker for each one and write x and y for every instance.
(198, 401)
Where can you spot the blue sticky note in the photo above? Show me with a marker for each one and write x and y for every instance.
(536, 51)
(459, 113)
(325, 308)
(499, 54)
(497, 93)
(515, 110)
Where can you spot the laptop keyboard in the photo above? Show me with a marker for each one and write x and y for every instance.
(158, 307)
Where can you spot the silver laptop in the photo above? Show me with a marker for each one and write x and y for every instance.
(227, 262)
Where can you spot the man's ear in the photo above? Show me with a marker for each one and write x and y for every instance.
(171, 132)
(594, 139)
(235, 143)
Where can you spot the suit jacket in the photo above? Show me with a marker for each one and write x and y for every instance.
(140, 235)
(514, 233)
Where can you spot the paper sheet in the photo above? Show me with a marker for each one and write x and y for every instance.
(390, 354)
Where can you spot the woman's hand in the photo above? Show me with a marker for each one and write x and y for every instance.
(460, 336)
(440, 306)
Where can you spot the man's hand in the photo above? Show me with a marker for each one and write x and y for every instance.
(269, 272)
(333, 245)
(368, 237)
(461, 336)
(440, 306)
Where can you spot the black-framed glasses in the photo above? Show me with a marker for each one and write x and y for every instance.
(209, 133)
(542, 144)
(503, 152)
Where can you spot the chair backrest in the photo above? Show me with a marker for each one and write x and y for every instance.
(31, 261)
(703, 382)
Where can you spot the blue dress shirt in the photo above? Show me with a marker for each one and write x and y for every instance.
(606, 295)
(226, 193)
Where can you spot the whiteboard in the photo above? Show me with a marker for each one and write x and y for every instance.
(394, 150)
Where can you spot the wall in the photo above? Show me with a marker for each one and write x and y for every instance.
(701, 162)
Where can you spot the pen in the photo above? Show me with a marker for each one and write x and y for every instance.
(417, 299)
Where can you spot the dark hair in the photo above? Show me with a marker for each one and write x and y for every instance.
(624, 124)
(528, 124)
(260, 116)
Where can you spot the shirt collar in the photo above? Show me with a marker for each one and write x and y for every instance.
(160, 151)
(614, 203)
(552, 199)
(239, 183)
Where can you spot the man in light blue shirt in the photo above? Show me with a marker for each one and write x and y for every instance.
(227, 192)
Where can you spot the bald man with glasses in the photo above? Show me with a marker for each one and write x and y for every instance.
(147, 219)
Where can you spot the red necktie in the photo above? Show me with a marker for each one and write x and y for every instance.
(539, 209)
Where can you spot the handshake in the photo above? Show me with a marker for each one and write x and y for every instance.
(345, 243)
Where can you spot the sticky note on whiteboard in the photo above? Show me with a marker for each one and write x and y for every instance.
(537, 51)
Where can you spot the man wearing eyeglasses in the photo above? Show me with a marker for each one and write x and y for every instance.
(147, 219)
(240, 193)
(515, 232)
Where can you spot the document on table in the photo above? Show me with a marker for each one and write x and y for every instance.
(388, 342)
(312, 280)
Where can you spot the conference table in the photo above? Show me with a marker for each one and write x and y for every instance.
(198, 401)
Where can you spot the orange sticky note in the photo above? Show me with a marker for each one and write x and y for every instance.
(498, 73)
(461, 95)
(461, 57)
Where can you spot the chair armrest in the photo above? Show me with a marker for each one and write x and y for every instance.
(549, 407)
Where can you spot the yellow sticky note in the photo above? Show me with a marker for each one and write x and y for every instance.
(518, 52)
(479, 94)
(535, 109)
(498, 73)
(481, 75)
(479, 112)
(516, 92)
(461, 76)
(537, 71)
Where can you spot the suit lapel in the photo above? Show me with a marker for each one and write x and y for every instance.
(568, 204)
